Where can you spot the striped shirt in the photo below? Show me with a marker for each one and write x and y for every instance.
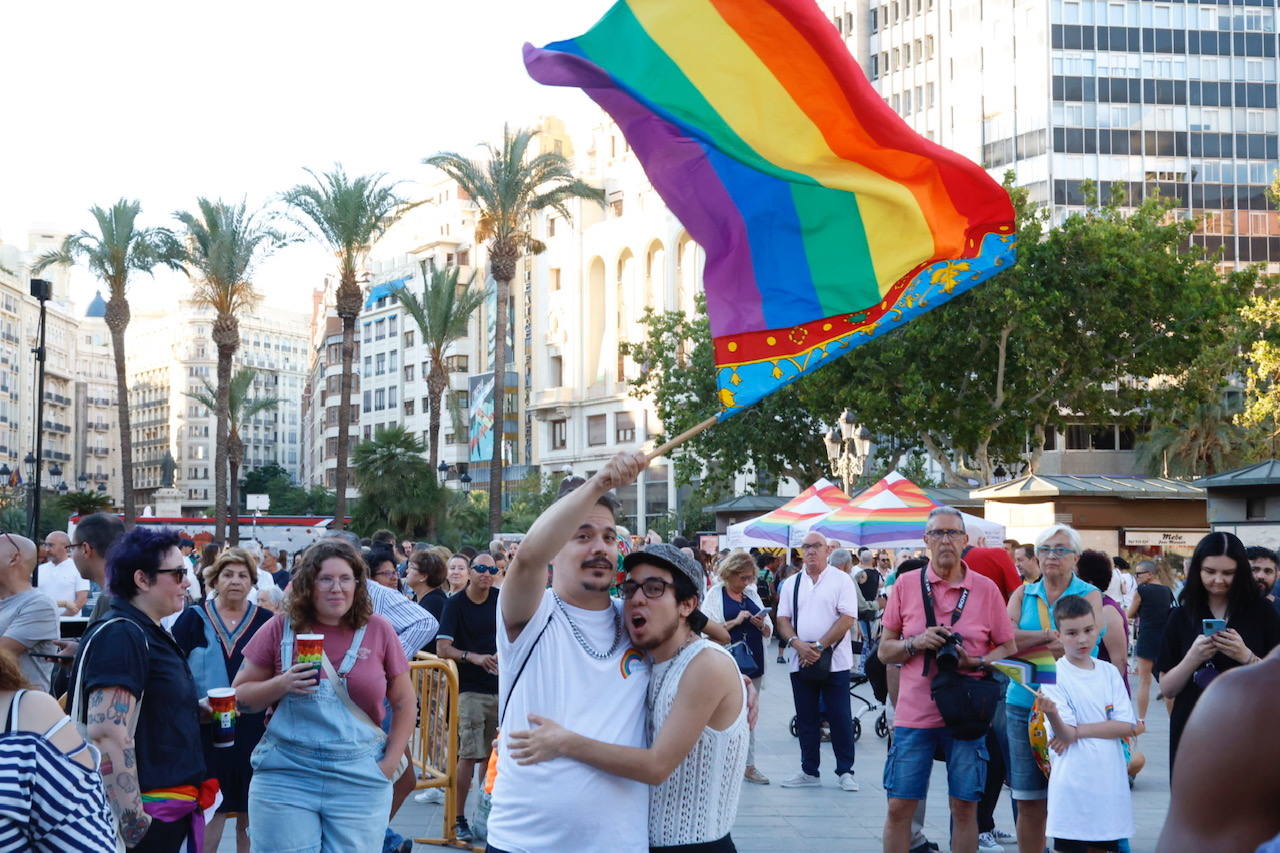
(48, 802)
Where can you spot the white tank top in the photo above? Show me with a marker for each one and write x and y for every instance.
(699, 801)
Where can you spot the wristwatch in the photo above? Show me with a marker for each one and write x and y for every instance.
(464, 656)
(818, 647)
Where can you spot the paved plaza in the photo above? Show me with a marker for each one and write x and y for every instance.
(771, 818)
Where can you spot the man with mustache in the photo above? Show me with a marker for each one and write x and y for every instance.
(565, 654)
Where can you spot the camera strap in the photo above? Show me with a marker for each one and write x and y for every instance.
(926, 594)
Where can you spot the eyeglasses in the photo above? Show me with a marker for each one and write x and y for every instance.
(811, 546)
(652, 588)
(388, 573)
(493, 570)
(1055, 551)
(11, 542)
(937, 535)
(178, 574)
(330, 583)
(74, 545)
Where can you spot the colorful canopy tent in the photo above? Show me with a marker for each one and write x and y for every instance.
(890, 514)
(773, 529)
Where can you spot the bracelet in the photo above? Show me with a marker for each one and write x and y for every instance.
(464, 656)
(791, 640)
(910, 643)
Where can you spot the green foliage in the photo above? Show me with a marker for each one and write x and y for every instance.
(287, 498)
(223, 245)
(528, 500)
(119, 248)
(398, 489)
(466, 519)
(82, 502)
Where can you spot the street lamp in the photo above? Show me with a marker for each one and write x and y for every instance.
(442, 471)
(42, 290)
(848, 448)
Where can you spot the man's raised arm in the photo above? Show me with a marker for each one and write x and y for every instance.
(527, 575)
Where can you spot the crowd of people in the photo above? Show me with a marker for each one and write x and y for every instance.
(593, 670)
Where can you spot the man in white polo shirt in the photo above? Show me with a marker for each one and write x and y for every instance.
(816, 609)
(59, 578)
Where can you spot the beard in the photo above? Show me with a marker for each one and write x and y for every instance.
(656, 637)
(590, 584)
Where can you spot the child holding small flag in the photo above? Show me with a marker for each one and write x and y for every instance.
(1089, 713)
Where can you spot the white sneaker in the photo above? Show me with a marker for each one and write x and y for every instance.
(1002, 837)
(848, 783)
(987, 841)
(430, 795)
(801, 780)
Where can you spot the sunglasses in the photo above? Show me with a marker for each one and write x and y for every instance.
(493, 570)
(178, 574)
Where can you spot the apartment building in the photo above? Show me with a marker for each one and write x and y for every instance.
(171, 354)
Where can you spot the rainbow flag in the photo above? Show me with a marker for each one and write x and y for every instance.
(825, 219)
(777, 527)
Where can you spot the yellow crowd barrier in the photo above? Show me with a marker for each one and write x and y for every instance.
(434, 747)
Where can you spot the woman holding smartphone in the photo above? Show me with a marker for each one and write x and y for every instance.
(1222, 622)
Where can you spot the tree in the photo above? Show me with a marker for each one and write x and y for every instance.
(84, 502)
(441, 314)
(119, 249)
(223, 244)
(509, 189)
(240, 409)
(1197, 439)
(349, 215)
(397, 488)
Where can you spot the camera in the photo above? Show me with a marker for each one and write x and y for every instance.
(948, 654)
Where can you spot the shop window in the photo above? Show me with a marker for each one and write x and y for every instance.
(597, 430)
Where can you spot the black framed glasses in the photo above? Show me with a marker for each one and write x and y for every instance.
(937, 535)
(178, 574)
(652, 588)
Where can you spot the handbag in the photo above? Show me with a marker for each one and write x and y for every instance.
(745, 660)
(820, 669)
(967, 704)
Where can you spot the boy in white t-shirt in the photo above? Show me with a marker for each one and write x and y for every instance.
(1089, 713)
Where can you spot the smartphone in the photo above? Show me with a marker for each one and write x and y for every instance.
(1213, 626)
(59, 658)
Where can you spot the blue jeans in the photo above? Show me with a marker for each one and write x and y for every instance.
(906, 772)
(1025, 778)
(834, 697)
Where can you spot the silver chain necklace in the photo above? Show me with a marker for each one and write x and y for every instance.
(582, 640)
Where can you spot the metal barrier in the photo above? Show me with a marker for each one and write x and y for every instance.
(434, 747)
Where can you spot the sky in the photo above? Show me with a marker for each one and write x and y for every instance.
(164, 102)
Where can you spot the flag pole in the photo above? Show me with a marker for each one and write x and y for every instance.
(667, 447)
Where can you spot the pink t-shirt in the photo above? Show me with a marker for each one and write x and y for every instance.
(380, 659)
(984, 625)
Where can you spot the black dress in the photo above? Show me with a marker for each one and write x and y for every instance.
(1155, 601)
(1259, 627)
(231, 764)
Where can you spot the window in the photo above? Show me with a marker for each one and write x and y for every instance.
(408, 407)
(551, 226)
(872, 22)
(461, 399)
(379, 399)
(875, 66)
(368, 367)
(368, 401)
(555, 372)
(368, 336)
(555, 278)
(456, 364)
(379, 329)
(393, 358)
(408, 372)
(1255, 508)
(928, 47)
(391, 397)
(1103, 437)
(597, 430)
(393, 323)
(408, 339)
(559, 435)
(380, 364)
(624, 427)
(1077, 437)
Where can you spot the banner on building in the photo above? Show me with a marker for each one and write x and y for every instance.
(1163, 538)
(480, 415)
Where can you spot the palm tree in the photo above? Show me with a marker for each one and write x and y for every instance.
(1196, 439)
(224, 242)
(509, 189)
(118, 249)
(350, 215)
(442, 314)
(397, 488)
(240, 410)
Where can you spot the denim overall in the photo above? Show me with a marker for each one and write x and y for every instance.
(316, 783)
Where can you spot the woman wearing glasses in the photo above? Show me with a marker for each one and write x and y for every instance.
(1031, 610)
(322, 773)
(133, 689)
(1223, 622)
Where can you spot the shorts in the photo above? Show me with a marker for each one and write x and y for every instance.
(906, 772)
(1067, 845)
(1025, 778)
(477, 724)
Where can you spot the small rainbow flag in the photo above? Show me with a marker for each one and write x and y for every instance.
(825, 219)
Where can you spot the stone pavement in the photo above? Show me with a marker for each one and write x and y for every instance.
(771, 818)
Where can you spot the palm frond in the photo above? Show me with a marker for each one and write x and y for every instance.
(224, 243)
(348, 214)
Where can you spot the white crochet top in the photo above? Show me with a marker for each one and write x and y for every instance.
(699, 801)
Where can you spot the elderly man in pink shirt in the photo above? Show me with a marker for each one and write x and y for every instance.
(965, 603)
(816, 609)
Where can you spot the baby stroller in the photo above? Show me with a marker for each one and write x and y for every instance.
(876, 677)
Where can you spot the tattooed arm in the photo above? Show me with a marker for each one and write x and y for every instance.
(108, 723)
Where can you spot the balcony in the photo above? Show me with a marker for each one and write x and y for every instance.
(54, 426)
(56, 399)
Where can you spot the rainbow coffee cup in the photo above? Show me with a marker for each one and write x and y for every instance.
(222, 701)
(310, 648)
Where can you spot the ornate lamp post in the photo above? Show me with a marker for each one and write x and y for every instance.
(848, 448)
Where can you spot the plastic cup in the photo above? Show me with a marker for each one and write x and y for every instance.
(222, 701)
(310, 647)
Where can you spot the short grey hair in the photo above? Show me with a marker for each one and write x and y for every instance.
(1073, 536)
(1145, 566)
(840, 557)
(943, 509)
